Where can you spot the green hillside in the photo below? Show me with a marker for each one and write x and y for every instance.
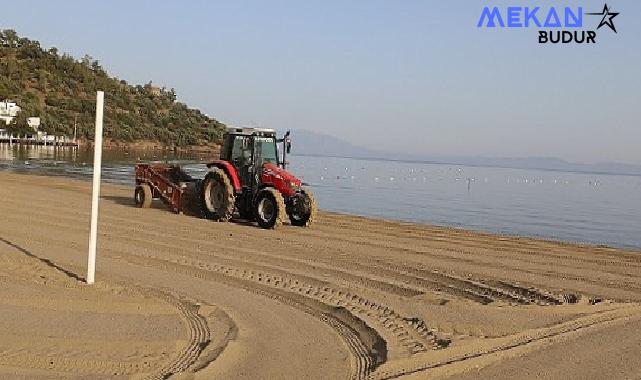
(62, 90)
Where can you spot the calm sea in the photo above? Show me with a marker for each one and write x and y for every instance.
(576, 207)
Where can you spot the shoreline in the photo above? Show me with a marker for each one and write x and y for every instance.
(108, 144)
(480, 232)
(150, 145)
(375, 299)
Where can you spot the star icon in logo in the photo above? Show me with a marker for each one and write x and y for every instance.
(607, 18)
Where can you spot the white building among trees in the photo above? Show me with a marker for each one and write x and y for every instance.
(34, 123)
(8, 111)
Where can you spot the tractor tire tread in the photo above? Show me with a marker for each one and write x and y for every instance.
(226, 212)
(147, 195)
(280, 206)
(312, 212)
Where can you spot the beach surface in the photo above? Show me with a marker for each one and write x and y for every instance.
(349, 298)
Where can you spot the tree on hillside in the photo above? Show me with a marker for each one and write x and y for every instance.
(59, 90)
(9, 37)
(19, 125)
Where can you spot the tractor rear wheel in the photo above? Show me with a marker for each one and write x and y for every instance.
(270, 208)
(302, 210)
(143, 196)
(217, 196)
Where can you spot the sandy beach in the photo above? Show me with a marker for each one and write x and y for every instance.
(349, 298)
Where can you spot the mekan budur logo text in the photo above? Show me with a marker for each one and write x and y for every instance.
(560, 25)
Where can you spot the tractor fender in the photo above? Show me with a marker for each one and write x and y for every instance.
(280, 179)
(230, 170)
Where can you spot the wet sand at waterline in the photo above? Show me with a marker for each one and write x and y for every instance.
(349, 298)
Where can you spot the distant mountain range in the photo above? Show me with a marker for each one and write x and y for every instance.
(308, 143)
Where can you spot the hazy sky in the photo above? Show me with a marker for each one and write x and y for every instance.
(412, 76)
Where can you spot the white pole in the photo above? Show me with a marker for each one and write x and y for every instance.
(97, 164)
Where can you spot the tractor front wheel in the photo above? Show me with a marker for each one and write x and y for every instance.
(302, 209)
(217, 196)
(143, 196)
(270, 208)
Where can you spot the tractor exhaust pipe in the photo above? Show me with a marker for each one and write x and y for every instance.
(287, 148)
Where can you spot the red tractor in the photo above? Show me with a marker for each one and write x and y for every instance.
(251, 179)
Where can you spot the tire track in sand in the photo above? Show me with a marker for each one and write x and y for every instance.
(197, 327)
(199, 337)
(321, 292)
(521, 340)
(480, 291)
(412, 334)
(366, 347)
(621, 284)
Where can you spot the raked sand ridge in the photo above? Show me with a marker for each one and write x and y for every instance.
(350, 297)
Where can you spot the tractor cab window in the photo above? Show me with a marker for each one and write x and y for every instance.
(265, 150)
(241, 152)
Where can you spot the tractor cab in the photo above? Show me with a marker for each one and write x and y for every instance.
(248, 149)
